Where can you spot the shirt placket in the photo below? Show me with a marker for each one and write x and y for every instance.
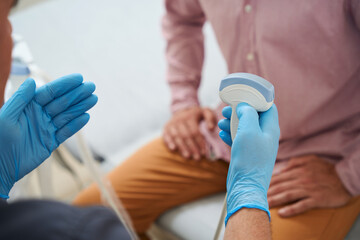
(249, 51)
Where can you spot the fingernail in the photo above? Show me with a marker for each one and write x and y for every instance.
(197, 157)
(171, 146)
(282, 211)
(185, 154)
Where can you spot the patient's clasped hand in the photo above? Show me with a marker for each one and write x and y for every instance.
(253, 156)
(34, 122)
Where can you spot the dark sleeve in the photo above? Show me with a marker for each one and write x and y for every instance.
(355, 10)
(40, 220)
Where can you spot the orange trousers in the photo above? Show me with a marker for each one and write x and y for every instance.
(155, 179)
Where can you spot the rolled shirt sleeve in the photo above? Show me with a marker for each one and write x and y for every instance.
(182, 29)
(355, 10)
(348, 168)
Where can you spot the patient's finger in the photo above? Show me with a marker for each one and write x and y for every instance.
(287, 197)
(169, 141)
(57, 88)
(282, 187)
(194, 139)
(182, 147)
(69, 99)
(181, 140)
(193, 147)
(72, 127)
(199, 139)
(74, 111)
(285, 176)
(298, 207)
(210, 118)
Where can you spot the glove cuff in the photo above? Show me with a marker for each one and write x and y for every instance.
(246, 196)
(4, 192)
(4, 196)
(229, 214)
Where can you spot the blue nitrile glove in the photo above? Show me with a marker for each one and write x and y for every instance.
(34, 122)
(253, 155)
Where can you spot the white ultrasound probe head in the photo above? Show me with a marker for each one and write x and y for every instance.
(248, 88)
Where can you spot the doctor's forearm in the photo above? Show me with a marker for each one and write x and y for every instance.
(248, 224)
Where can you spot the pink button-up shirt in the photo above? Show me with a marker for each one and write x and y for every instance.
(309, 50)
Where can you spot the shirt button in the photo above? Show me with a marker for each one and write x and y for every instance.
(248, 8)
(250, 57)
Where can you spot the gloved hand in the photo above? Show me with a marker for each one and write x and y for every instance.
(253, 155)
(33, 123)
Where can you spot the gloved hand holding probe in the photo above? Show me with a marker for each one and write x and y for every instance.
(34, 122)
(253, 155)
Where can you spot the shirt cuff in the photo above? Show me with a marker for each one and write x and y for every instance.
(349, 176)
(184, 95)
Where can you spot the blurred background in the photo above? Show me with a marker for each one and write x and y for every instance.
(117, 44)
